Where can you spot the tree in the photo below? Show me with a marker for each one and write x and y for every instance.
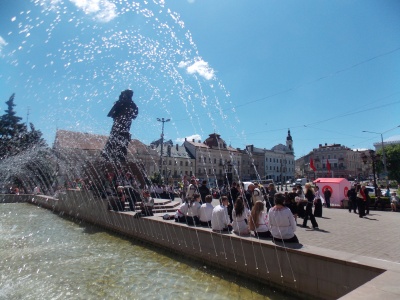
(392, 153)
(14, 135)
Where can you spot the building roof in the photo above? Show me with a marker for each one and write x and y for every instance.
(174, 151)
(213, 141)
(66, 139)
(329, 180)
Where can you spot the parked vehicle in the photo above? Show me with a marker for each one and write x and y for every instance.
(371, 191)
(301, 181)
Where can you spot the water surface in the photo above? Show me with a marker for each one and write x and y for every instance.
(45, 256)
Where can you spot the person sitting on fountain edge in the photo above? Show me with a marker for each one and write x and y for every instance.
(281, 222)
(180, 215)
(220, 218)
(147, 204)
(192, 217)
(206, 210)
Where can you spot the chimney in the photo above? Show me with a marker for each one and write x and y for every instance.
(326, 144)
(169, 150)
(185, 139)
(193, 140)
(320, 145)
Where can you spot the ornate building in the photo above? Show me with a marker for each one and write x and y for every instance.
(215, 161)
(344, 162)
(279, 161)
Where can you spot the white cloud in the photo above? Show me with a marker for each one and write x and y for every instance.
(103, 10)
(200, 67)
(2, 44)
(196, 137)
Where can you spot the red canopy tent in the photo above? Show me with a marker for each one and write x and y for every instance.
(337, 186)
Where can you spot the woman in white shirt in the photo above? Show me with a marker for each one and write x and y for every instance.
(258, 220)
(281, 221)
(239, 215)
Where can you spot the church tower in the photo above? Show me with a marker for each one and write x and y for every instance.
(289, 143)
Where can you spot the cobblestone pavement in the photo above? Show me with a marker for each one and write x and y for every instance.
(376, 235)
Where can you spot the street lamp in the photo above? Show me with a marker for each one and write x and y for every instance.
(374, 158)
(162, 139)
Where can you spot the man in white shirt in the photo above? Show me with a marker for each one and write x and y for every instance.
(206, 211)
(220, 217)
(192, 189)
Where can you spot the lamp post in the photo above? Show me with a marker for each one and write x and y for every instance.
(162, 120)
(374, 158)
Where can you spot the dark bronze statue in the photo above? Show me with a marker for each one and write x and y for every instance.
(123, 112)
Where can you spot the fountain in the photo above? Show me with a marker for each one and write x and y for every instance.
(81, 56)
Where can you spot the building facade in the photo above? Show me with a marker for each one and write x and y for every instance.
(215, 161)
(279, 161)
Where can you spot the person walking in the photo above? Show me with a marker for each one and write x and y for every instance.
(309, 194)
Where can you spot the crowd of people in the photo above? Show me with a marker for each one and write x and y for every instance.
(360, 200)
(255, 209)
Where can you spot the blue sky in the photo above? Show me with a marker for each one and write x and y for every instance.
(248, 70)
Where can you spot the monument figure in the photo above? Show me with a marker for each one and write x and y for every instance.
(123, 112)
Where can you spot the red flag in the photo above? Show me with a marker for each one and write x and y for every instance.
(312, 165)
(328, 165)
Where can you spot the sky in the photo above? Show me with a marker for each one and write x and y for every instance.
(247, 70)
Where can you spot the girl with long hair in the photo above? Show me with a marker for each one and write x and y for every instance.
(258, 220)
(239, 216)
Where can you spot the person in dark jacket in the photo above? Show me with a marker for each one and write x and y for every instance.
(308, 213)
(327, 196)
(204, 191)
(352, 196)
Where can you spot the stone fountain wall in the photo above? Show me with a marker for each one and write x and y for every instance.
(307, 273)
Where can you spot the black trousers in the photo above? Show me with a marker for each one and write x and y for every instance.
(353, 205)
(308, 213)
(361, 207)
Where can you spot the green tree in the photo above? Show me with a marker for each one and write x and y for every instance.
(14, 135)
(392, 153)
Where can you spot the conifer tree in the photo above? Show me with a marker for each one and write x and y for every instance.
(14, 135)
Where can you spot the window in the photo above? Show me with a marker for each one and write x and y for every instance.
(186, 163)
(215, 160)
(181, 163)
(169, 162)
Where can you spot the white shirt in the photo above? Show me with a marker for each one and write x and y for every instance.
(319, 195)
(262, 225)
(194, 209)
(239, 224)
(219, 218)
(257, 196)
(148, 201)
(281, 223)
(206, 212)
(191, 190)
(182, 210)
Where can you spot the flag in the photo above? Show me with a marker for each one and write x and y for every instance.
(312, 164)
(328, 165)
